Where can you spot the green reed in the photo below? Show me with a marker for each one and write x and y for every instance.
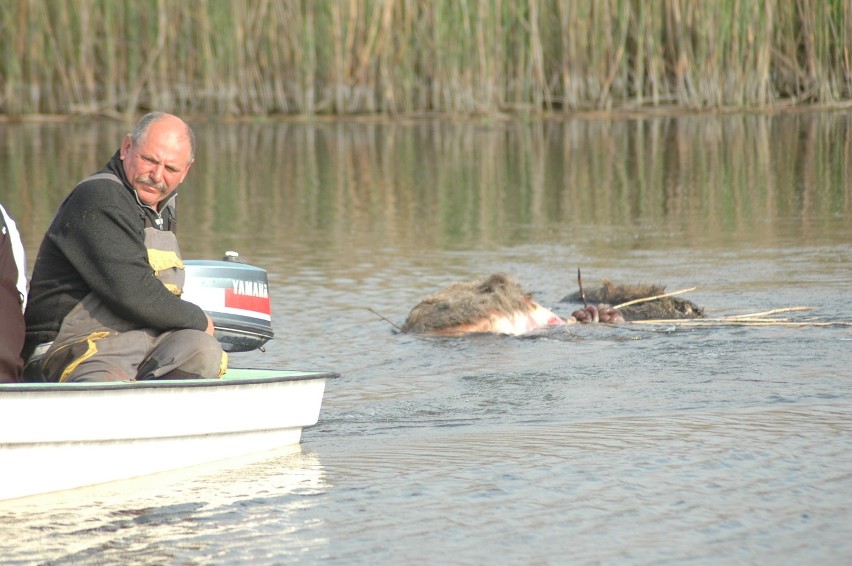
(467, 57)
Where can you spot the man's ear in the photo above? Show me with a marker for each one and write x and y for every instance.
(125, 146)
(185, 171)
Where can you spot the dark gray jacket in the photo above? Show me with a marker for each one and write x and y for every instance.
(96, 243)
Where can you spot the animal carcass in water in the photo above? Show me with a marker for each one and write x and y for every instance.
(497, 305)
(659, 308)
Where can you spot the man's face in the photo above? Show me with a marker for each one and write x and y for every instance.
(159, 162)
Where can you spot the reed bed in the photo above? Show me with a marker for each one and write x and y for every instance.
(489, 57)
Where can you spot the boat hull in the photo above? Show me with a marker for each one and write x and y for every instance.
(62, 436)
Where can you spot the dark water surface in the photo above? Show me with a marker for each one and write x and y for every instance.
(596, 444)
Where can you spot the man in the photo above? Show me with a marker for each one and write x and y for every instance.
(104, 302)
(13, 292)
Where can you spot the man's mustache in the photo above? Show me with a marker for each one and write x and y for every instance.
(147, 181)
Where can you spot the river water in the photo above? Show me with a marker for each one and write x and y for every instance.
(664, 444)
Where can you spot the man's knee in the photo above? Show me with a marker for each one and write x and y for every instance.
(207, 356)
(184, 354)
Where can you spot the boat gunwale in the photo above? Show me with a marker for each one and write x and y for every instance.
(274, 377)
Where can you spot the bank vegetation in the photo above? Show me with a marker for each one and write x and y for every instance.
(420, 57)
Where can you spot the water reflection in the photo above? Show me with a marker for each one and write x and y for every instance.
(325, 189)
(171, 514)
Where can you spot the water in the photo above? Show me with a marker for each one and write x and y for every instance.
(617, 445)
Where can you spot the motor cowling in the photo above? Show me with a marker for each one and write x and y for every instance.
(236, 296)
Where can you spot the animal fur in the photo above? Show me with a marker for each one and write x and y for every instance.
(465, 303)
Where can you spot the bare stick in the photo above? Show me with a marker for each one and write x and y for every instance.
(646, 299)
(767, 313)
(384, 318)
(582, 292)
(729, 322)
(752, 319)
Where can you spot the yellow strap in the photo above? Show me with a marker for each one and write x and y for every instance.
(174, 289)
(223, 365)
(161, 260)
(91, 351)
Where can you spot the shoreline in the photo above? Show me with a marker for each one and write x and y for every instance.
(622, 113)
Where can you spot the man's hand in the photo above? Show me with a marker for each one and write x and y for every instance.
(209, 325)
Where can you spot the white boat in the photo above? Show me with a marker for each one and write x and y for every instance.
(57, 436)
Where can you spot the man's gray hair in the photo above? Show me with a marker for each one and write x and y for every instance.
(141, 128)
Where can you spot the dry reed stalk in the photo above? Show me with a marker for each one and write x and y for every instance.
(755, 319)
(770, 312)
(751, 319)
(729, 322)
(655, 297)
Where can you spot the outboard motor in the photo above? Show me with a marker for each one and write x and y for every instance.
(236, 296)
